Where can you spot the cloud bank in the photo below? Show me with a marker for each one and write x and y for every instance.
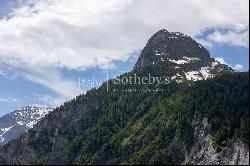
(82, 34)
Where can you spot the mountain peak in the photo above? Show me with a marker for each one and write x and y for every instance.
(174, 45)
(164, 32)
(174, 54)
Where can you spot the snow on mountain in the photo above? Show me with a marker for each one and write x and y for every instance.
(179, 57)
(18, 122)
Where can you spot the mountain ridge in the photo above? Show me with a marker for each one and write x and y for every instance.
(14, 124)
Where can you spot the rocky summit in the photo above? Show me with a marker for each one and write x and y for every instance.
(179, 57)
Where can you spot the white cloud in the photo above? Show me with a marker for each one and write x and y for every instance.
(2, 72)
(231, 37)
(9, 99)
(66, 34)
(221, 60)
(238, 67)
(52, 102)
(82, 34)
(205, 43)
(7, 71)
(53, 80)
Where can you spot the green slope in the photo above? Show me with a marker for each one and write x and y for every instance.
(155, 128)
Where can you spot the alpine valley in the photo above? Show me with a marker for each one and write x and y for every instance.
(200, 116)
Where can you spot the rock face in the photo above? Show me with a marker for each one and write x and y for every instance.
(18, 122)
(203, 152)
(236, 154)
(180, 57)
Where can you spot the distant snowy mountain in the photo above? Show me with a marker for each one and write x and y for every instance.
(18, 122)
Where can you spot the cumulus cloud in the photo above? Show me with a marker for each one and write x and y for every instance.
(82, 34)
(49, 35)
(238, 67)
(231, 37)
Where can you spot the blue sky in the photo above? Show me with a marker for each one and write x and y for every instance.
(46, 46)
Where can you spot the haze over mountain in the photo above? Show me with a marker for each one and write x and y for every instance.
(199, 115)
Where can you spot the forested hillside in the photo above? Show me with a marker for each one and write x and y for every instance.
(136, 128)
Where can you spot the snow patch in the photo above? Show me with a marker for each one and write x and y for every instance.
(214, 64)
(6, 129)
(20, 123)
(177, 78)
(185, 60)
(193, 75)
(205, 71)
(181, 61)
(191, 59)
